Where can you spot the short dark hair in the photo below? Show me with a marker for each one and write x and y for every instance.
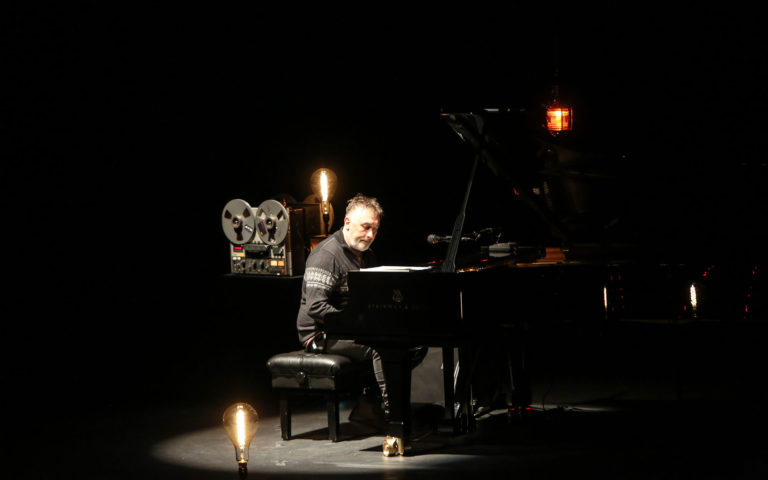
(362, 201)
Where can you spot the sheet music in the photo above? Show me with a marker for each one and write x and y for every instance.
(394, 268)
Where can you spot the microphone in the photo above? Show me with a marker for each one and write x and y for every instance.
(434, 239)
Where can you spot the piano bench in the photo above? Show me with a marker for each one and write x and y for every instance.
(300, 373)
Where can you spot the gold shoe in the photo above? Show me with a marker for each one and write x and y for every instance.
(394, 446)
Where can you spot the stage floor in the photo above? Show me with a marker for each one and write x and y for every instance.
(577, 433)
(630, 405)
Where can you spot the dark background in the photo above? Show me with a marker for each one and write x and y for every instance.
(131, 126)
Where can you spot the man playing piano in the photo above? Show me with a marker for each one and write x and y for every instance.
(324, 287)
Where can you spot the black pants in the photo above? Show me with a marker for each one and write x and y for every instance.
(358, 352)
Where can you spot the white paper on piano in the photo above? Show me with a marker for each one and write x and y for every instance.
(393, 268)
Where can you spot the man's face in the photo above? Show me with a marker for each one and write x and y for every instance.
(360, 228)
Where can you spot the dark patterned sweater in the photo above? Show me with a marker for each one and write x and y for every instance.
(324, 287)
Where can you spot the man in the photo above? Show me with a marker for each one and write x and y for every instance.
(324, 288)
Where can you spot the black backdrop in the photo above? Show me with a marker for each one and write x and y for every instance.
(131, 127)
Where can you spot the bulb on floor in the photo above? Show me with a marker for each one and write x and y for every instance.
(241, 422)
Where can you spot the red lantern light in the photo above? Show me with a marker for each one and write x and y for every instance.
(559, 119)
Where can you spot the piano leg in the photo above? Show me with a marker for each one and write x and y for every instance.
(465, 415)
(396, 363)
(519, 383)
(449, 415)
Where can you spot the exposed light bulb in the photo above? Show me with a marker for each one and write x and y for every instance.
(323, 183)
(241, 422)
(324, 186)
(694, 301)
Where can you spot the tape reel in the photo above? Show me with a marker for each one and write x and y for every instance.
(272, 222)
(238, 220)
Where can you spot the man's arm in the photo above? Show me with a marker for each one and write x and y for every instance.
(319, 283)
(320, 277)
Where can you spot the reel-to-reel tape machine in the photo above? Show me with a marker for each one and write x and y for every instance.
(272, 239)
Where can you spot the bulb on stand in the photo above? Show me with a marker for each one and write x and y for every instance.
(241, 422)
(323, 183)
(324, 188)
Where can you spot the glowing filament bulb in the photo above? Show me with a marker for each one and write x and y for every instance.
(605, 298)
(694, 302)
(324, 185)
(693, 296)
(240, 420)
(323, 182)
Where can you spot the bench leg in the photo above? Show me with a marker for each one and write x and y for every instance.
(285, 417)
(332, 405)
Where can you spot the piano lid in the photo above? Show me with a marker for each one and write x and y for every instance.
(543, 190)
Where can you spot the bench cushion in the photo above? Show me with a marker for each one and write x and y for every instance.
(312, 371)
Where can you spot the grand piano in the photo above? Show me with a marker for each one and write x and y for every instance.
(479, 310)
(477, 300)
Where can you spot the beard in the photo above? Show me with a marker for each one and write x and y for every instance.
(361, 245)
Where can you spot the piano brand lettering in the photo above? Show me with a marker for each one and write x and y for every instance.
(397, 296)
(391, 306)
